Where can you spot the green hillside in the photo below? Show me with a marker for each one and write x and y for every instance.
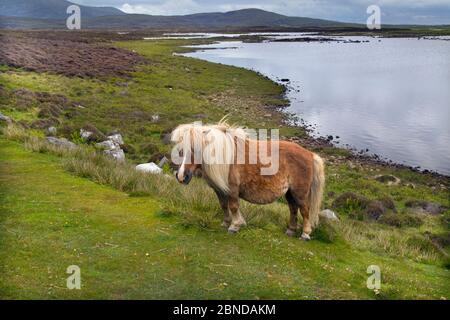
(143, 236)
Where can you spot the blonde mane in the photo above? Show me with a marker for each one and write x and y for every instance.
(218, 148)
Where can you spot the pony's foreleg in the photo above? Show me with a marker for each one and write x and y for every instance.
(237, 220)
(223, 200)
(307, 229)
(293, 208)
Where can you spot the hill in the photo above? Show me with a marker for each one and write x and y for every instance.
(50, 9)
(27, 14)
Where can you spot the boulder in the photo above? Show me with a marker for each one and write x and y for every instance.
(149, 167)
(424, 207)
(61, 142)
(51, 131)
(117, 154)
(5, 118)
(107, 145)
(85, 134)
(112, 147)
(328, 214)
(163, 161)
(166, 138)
(116, 138)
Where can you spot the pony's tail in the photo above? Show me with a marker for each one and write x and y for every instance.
(316, 190)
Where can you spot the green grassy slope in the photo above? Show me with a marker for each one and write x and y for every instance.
(165, 241)
(126, 248)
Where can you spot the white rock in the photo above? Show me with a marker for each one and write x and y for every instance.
(108, 145)
(5, 118)
(155, 118)
(117, 154)
(328, 214)
(62, 142)
(51, 131)
(117, 138)
(85, 134)
(162, 162)
(149, 167)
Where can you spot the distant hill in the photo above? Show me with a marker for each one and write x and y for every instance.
(50, 9)
(217, 20)
(51, 14)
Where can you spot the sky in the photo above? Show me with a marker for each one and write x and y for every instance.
(392, 11)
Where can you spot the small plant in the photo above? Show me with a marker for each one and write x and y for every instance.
(77, 138)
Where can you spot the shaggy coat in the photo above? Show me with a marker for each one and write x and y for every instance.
(230, 165)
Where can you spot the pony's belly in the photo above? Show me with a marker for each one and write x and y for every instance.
(262, 195)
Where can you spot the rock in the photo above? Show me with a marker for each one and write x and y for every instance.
(91, 134)
(389, 179)
(166, 138)
(116, 138)
(51, 131)
(117, 154)
(421, 206)
(85, 134)
(163, 161)
(155, 118)
(5, 118)
(149, 167)
(328, 214)
(112, 147)
(61, 142)
(108, 145)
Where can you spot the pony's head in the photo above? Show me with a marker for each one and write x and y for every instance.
(210, 148)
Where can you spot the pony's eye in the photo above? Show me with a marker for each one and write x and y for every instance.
(180, 152)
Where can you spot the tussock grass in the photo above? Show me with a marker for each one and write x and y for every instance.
(370, 236)
(197, 204)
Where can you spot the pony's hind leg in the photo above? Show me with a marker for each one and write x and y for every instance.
(293, 208)
(307, 229)
(237, 220)
(223, 200)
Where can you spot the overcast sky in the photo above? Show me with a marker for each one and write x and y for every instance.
(393, 11)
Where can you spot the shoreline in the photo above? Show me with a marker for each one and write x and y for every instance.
(359, 155)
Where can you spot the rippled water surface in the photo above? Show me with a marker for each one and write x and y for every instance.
(391, 96)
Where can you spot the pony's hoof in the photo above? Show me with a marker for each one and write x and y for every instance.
(233, 230)
(290, 233)
(305, 237)
(226, 224)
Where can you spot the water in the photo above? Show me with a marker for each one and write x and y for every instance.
(391, 96)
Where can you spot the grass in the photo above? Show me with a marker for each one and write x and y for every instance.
(129, 247)
(143, 236)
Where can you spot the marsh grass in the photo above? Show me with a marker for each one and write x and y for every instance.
(197, 205)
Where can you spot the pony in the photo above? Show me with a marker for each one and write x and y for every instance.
(215, 149)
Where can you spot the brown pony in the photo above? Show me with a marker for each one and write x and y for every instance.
(216, 149)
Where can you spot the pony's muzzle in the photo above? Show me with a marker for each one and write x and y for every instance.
(187, 177)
